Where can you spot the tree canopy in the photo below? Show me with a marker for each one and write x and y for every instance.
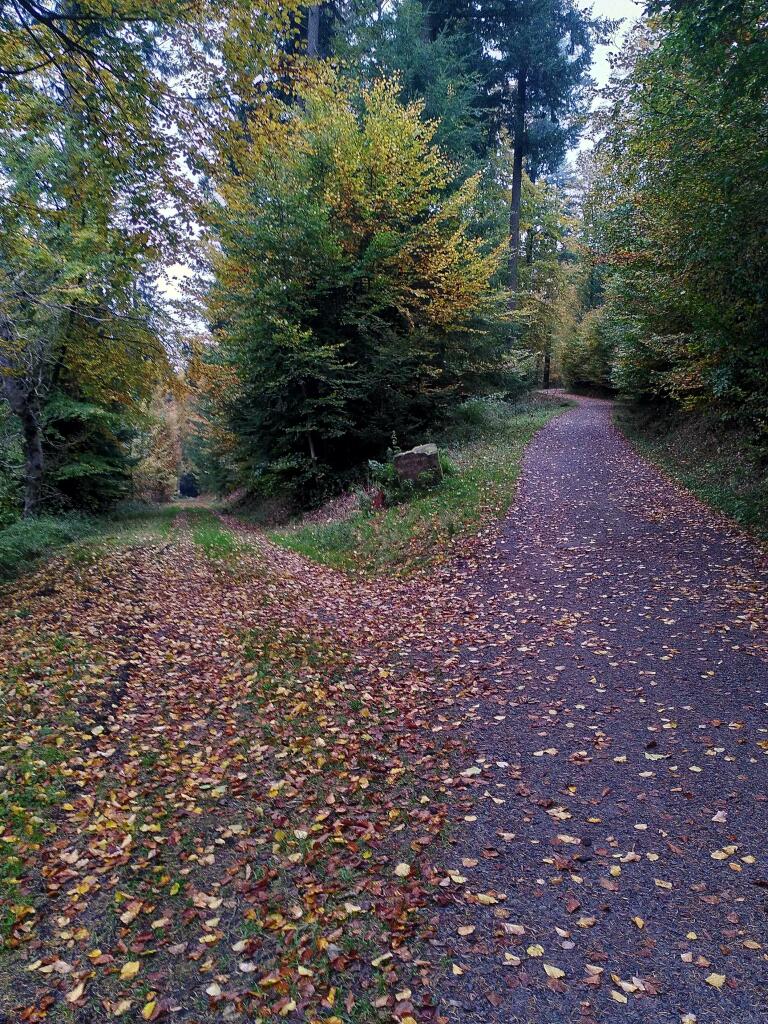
(340, 183)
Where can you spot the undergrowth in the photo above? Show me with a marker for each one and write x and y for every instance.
(722, 466)
(27, 542)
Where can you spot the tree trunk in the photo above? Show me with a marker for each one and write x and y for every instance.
(24, 404)
(313, 31)
(545, 375)
(517, 187)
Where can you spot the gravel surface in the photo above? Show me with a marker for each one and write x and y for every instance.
(619, 816)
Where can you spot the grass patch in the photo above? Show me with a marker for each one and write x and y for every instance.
(721, 465)
(485, 441)
(28, 542)
(209, 534)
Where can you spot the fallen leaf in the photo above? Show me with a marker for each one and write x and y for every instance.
(130, 970)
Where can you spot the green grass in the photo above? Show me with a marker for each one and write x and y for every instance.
(718, 463)
(486, 442)
(211, 535)
(28, 542)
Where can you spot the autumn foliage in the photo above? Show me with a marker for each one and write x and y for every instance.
(354, 296)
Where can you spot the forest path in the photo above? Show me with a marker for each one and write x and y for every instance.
(227, 771)
(619, 630)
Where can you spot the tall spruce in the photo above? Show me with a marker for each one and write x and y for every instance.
(535, 58)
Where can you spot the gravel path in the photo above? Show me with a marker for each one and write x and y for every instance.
(620, 815)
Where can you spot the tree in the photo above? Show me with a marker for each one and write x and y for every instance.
(82, 224)
(546, 286)
(370, 307)
(99, 109)
(535, 58)
(680, 205)
(542, 58)
(433, 63)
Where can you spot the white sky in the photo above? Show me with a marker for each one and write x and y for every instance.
(629, 10)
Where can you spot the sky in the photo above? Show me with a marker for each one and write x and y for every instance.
(627, 9)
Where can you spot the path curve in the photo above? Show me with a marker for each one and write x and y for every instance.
(619, 627)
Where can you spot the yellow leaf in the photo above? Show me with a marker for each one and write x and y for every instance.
(619, 997)
(76, 993)
(553, 972)
(129, 970)
(149, 1009)
(403, 870)
(535, 950)
(715, 980)
(639, 922)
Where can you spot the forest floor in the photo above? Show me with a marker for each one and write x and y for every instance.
(525, 785)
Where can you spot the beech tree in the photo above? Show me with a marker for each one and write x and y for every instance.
(678, 209)
(101, 108)
(371, 305)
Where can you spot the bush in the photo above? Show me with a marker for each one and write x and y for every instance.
(384, 476)
(476, 418)
(27, 540)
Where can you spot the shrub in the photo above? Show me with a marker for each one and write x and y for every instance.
(27, 540)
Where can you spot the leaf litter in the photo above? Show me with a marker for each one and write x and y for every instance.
(261, 790)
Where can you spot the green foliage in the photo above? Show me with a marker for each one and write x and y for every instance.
(678, 210)
(586, 352)
(26, 541)
(11, 461)
(486, 441)
(101, 108)
(545, 301)
(536, 56)
(370, 307)
(433, 63)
